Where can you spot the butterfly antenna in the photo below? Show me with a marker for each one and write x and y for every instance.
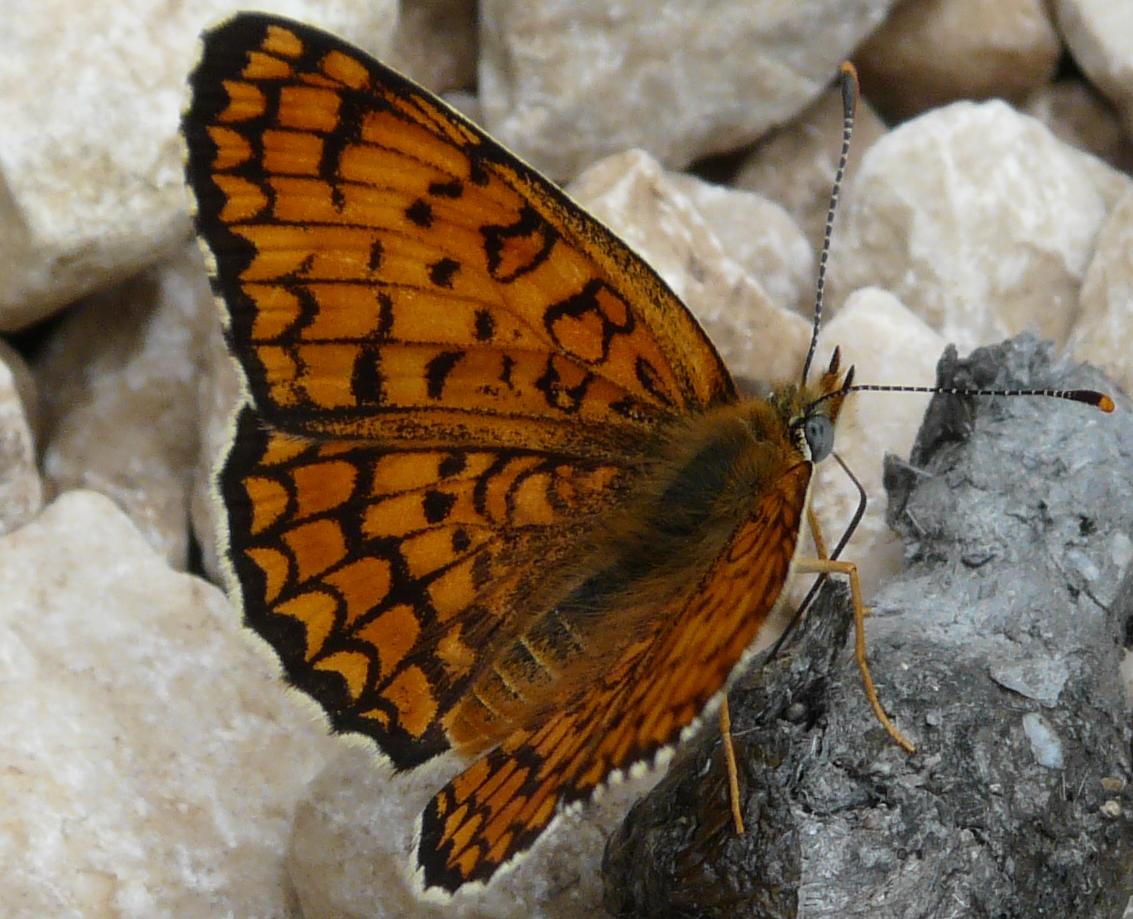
(1086, 396)
(849, 105)
(1091, 397)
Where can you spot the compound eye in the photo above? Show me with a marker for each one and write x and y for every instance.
(819, 433)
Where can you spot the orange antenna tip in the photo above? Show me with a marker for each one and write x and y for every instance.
(851, 88)
(1089, 397)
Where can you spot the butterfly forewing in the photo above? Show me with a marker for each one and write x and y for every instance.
(391, 272)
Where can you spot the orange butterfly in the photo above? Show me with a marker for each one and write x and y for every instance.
(493, 489)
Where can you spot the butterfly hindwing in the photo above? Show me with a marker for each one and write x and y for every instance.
(381, 575)
(499, 806)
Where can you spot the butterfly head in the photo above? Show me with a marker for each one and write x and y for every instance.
(811, 411)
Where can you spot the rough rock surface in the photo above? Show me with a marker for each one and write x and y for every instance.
(150, 763)
(931, 52)
(21, 486)
(90, 160)
(997, 651)
(119, 379)
(978, 219)
(1097, 34)
(566, 83)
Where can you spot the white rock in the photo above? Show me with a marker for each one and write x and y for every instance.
(151, 757)
(567, 83)
(887, 344)
(760, 236)
(931, 52)
(21, 488)
(120, 379)
(795, 165)
(631, 194)
(1104, 327)
(25, 384)
(1045, 742)
(90, 99)
(978, 219)
(1098, 32)
(352, 854)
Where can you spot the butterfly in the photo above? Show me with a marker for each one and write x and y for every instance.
(492, 489)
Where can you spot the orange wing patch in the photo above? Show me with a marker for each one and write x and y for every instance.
(390, 272)
(499, 806)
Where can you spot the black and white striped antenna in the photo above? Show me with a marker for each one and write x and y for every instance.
(849, 105)
(850, 92)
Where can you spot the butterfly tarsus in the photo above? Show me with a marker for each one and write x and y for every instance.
(730, 764)
(816, 533)
(850, 571)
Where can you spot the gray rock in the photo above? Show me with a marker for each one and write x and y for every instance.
(1017, 802)
(677, 853)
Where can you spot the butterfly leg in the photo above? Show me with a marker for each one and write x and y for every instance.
(726, 716)
(819, 540)
(730, 764)
(816, 533)
(850, 570)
